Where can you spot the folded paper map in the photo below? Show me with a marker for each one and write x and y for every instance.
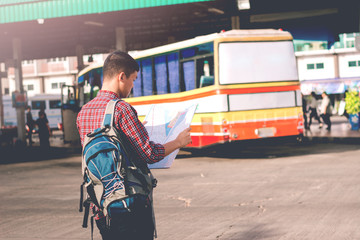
(164, 124)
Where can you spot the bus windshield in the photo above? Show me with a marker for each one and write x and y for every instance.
(252, 62)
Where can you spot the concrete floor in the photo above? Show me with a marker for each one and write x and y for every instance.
(288, 191)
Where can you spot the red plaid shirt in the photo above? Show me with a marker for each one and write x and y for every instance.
(125, 120)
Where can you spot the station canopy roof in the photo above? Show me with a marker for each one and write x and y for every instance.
(53, 28)
(27, 10)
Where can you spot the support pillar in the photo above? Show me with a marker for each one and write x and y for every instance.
(20, 111)
(336, 66)
(42, 84)
(120, 39)
(357, 38)
(235, 22)
(2, 74)
(79, 54)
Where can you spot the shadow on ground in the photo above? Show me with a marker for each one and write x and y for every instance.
(274, 148)
(30, 154)
(258, 231)
(259, 149)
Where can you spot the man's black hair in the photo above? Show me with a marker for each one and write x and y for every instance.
(117, 62)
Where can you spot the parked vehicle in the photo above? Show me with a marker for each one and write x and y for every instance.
(244, 82)
(50, 103)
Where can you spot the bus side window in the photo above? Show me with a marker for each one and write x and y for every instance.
(95, 80)
(197, 66)
(166, 73)
(173, 67)
(54, 104)
(37, 105)
(94, 91)
(143, 85)
(188, 69)
(161, 75)
(204, 72)
(189, 75)
(137, 89)
(147, 77)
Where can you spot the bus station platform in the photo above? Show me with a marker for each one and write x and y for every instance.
(340, 130)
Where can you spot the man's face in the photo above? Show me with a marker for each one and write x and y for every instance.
(128, 84)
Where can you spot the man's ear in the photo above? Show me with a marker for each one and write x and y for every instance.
(121, 76)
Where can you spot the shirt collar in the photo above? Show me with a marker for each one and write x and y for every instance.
(107, 93)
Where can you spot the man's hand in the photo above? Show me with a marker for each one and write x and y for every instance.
(181, 140)
(184, 138)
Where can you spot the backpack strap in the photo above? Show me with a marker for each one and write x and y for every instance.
(109, 113)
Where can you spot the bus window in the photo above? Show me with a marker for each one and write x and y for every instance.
(37, 105)
(197, 66)
(189, 75)
(87, 90)
(173, 67)
(53, 104)
(147, 77)
(206, 48)
(188, 53)
(137, 89)
(188, 68)
(94, 91)
(205, 72)
(96, 77)
(161, 74)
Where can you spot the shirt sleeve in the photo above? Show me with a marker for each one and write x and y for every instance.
(127, 120)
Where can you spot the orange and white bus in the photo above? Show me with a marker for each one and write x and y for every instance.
(244, 82)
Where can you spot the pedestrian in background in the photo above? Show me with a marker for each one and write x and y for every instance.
(42, 109)
(325, 110)
(30, 124)
(342, 110)
(313, 109)
(120, 71)
(304, 108)
(44, 130)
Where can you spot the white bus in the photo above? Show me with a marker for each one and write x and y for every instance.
(244, 82)
(50, 103)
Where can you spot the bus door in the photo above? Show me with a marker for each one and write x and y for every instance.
(69, 111)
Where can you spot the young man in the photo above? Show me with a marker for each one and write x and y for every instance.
(120, 71)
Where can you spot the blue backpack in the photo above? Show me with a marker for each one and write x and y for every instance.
(111, 178)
